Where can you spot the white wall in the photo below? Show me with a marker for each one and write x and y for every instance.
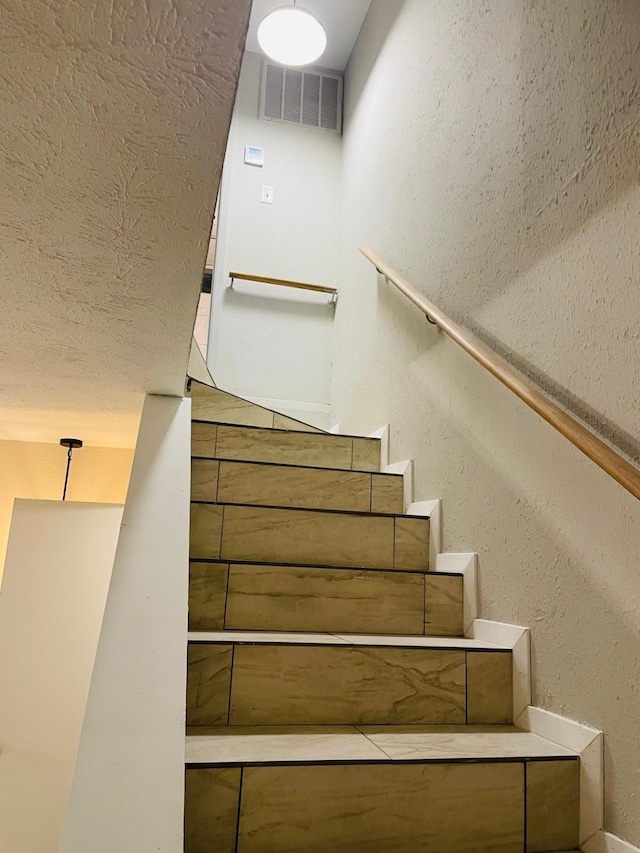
(269, 343)
(127, 790)
(58, 567)
(492, 155)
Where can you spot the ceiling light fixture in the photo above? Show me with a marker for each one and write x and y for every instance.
(292, 36)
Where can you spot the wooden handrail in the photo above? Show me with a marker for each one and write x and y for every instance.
(615, 465)
(282, 282)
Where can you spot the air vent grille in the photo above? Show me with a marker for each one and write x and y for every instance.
(308, 98)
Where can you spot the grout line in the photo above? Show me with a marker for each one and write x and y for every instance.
(466, 689)
(311, 431)
(239, 810)
(233, 652)
(357, 513)
(221, 530)
(215, 443)
(379, 748)
(298, 465)
(385, 759)
(393, 558)
(226, 597)
(347, 640)
(524, 802)
(424, 605)
(217, 480)
(320, 566)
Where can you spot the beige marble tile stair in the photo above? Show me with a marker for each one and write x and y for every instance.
(332, 703)
(390, 789)
(263, 597)
(212, 404)
(314, 537)
(271, 678)
(259, 444)
(277, 485)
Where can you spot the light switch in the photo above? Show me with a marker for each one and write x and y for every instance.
(267, 195)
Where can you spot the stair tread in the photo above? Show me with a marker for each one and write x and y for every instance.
(304, 468)
(314, 431)
(302, 509)
(318, 744)
(285, 638)
(322, 566)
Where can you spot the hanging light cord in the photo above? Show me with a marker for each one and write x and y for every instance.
(66, 476)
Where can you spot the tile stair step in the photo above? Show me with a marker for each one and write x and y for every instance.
(237, 532)
(212, 404)
(277, 678)
(262, 597)
(321, 744)
(264, 444)
(389, 789)
(277, 485)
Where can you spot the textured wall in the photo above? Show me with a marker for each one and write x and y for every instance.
(269, 342)
(114, 118)
(36, 470)
(492, 156)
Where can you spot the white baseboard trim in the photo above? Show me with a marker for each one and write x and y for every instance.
(335, 429)
(516, 638)
(605, 842)
(383, 434)
(464, 564)
(588, 743)
(406, 469)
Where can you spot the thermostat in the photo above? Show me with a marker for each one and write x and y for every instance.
(254, 156)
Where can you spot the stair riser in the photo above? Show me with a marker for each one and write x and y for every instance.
(386, 808)
(285, 598)
(210, 404)
(263, 685)
(245, 444)
(302, 537)
(258, 484)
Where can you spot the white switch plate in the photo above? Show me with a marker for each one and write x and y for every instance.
(267, 195)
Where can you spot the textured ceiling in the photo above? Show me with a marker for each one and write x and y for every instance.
(341, 19)
(113, 118)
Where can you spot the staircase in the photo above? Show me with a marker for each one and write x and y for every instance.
(333, 703)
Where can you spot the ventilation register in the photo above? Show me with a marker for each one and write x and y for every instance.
(308, 98)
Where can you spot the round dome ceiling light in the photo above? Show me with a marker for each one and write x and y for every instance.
(292, 36)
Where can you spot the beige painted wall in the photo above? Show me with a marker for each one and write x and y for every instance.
(492, 156)
(59, 564)
(36, 470)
